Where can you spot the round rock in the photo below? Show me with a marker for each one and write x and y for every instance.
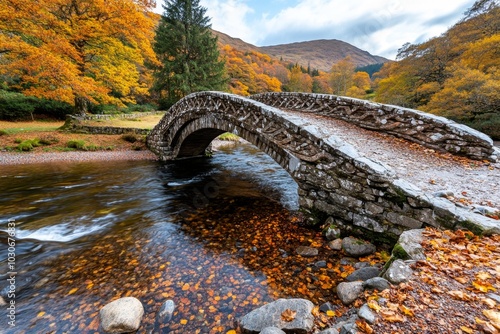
(376, 283)
(348, 292)
(269, 315)
(356, 247)
(398, 272)
(122, 316)
(165, 312)
(335, 244)
(307, 251)
(363, 274)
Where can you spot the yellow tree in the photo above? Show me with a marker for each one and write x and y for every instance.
(341, 76)
(77, 51)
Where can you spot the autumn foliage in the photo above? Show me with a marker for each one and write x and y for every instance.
(456, 75)
(77, 51)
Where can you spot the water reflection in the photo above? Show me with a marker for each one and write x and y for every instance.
(215, 235)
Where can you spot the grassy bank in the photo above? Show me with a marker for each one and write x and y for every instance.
(45, 136)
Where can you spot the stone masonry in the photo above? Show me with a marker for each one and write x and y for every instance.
(361, 195)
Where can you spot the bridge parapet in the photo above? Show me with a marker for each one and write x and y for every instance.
(429, 130)
(335, 182)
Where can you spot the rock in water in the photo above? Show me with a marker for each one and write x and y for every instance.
(356, 247)
(307, 251)
(165, 312)
(122, 316)
(272, 330)
(348, 292)
(270, 315)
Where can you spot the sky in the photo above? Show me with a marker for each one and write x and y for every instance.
(380, 27)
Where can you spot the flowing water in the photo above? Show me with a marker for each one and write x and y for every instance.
(217, 236)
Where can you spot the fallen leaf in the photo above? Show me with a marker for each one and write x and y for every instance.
(184, 321)
(288, 315)
(391, 316)
(330, 313)
(364, 327)
(459, 295)
(406, 311)
(232, 331)
(494, 317)
(483, 287)
(374, 305)
(467, 329)
(483, 276)
(489, 302)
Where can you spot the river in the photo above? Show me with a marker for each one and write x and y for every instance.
(217, 236)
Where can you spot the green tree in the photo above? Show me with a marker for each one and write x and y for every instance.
(187, 51)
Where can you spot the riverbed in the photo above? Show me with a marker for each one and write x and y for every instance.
(217, 236)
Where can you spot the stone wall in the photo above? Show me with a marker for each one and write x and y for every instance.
(122, 116)
(359, 195)
(74, 124)
(426, 129)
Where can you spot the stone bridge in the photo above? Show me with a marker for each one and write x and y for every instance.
(336, 183)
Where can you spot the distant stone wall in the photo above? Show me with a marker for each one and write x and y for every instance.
(426, 129)
(123, 116)
(74, 124)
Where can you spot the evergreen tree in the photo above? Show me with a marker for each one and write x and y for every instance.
(187, 51)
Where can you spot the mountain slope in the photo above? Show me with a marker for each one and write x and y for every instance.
(322, 54)
(319, 54)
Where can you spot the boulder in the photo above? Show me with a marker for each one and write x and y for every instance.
(335, 244)
(356, 247)
(270, 315)
(348, 292)
(122, 316)
(409, 246)
(363, 274)
(398, 272)
(307, 251)
(366, 313)
(376, 283)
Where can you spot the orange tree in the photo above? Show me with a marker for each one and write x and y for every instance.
(77, 51)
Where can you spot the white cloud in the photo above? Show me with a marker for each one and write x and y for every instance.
(380, 27)
(230, 17)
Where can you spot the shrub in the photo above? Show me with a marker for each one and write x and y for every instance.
(16, 106)
(28, 145)
(18, 141)
(130, 137)
(3, 133)
(91, 147)
(52, 108)
(140, 108)
(77, 144)
(487, 123)
(228, 136)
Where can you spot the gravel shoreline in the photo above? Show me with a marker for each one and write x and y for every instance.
(8, 158)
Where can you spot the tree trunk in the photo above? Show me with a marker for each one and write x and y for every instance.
(81, 105)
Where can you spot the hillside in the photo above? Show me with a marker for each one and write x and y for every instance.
(322, 54)
(319, 54)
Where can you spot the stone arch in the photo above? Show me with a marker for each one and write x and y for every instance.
(357, 194)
